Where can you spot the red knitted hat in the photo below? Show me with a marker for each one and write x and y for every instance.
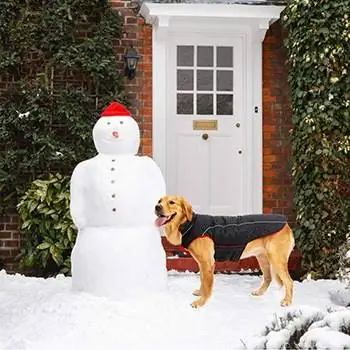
(115, 109)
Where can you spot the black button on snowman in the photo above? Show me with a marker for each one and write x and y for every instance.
(118, 252)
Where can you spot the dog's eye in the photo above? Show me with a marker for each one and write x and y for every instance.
(171, 202)
(159, 201)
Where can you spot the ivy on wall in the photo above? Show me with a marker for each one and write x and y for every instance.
(57, 70)
(318, 46)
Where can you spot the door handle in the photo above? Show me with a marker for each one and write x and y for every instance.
(205, 136)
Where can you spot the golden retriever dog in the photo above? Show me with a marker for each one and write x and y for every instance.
(209, 238)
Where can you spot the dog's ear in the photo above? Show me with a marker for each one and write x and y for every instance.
(187, 208)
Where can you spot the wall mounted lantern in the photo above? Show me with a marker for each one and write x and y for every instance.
(131, 58)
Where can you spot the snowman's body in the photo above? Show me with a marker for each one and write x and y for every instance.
(118, 252)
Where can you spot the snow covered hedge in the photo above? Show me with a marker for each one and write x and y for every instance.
(318, 44)
(306, 328)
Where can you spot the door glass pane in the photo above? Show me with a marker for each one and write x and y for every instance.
(224, 105)
(224, 56)
(184, 103)
(205, 56)
(204, 104)
(185, 56)
(205, 80)
(224, 80)
(184, 79)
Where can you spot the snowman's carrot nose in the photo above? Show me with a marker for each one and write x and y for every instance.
(115, 134)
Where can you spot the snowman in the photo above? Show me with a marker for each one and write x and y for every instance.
(118, 251)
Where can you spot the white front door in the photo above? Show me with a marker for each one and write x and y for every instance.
(206, 123)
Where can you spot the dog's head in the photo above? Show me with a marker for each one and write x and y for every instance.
(173, 210)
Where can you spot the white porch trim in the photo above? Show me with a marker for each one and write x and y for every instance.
(153, 11)
(248, 21)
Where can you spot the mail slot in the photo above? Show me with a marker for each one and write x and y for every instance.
(205, 124)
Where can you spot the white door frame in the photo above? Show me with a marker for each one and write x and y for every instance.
(250, 22)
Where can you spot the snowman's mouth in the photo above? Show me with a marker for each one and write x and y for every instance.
(164, 219)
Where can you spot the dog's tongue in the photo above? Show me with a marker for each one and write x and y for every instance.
(160, 221)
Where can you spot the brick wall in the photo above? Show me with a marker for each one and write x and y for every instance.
(139, 89)
(9, 241)
(277, 123)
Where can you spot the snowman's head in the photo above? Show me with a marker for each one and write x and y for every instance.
(116, 132)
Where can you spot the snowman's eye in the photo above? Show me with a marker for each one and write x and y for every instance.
(121, 122)
(108, 123)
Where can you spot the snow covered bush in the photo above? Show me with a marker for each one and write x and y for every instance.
(318, 45)
(285, 330)
(306, 328)
(48, 233)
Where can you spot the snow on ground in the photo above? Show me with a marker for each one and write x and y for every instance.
(43, 314)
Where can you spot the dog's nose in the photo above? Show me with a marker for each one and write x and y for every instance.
(158, 208)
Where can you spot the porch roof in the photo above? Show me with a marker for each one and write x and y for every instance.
(163, 12)
(240, 2)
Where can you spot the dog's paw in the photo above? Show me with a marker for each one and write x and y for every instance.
(285, 302)
(256, 293)
(197, 292)
(198, 303)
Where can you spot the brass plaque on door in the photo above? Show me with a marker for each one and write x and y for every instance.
(205, 124)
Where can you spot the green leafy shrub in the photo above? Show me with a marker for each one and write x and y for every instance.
(318, 44)
(58, 70)
(48, 232)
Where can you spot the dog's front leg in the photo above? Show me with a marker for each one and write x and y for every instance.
(207, 272)
(198, 292)
(202, 250)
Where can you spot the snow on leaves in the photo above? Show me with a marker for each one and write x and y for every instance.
(306, 328)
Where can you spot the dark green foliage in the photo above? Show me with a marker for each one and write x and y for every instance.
(48, 230)
(54, 136)
(58, 62)
(345, 328)
(318, 46)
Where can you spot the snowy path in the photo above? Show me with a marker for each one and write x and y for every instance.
(38, 314)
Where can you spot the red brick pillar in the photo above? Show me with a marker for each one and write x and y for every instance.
(277, 123)
(139, 89)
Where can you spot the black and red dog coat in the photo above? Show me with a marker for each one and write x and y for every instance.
(230, 234)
